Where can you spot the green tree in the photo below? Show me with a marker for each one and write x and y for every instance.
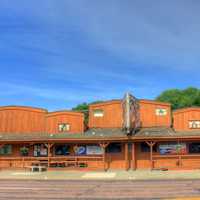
(181, 98)
(84, 108)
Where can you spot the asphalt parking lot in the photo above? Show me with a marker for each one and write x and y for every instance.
(98, 189)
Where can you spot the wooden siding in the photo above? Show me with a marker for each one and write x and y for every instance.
(26, 120)
(148, 115)
(113, 114)
(113, 160)
(171, 162)
(182, 117)
(22, 120)
(112, 118)
(75, 120)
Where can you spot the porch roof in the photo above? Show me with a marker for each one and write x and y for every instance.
(91, 134)
(165, 132)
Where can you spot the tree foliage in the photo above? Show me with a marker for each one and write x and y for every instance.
(84, 108)
(181, 98)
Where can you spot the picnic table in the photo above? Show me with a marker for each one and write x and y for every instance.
(36, 168)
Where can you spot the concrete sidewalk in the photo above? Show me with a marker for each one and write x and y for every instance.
(100, 175)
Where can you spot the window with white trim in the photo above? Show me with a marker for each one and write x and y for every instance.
(195, 124)
(63, 127)
(98, 113)
(161, 111)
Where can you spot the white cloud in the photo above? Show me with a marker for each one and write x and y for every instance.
(158, 33)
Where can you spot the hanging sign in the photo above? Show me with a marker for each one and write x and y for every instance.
(80, 150)
(94, 150)
(173, 148)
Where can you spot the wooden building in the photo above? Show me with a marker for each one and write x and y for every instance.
(155, 138)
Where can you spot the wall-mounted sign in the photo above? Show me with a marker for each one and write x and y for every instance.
(194, 124)
(173, 148)
(80, 150)
(94, 150)
(161, 112)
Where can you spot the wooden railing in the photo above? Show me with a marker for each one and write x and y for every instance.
(23, 161)
(181, 159)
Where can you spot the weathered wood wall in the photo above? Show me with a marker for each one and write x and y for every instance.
(182, 117)
(113, 115)
(75, 120)
(148, 114)
(113, 160)
(27, 120)
(22, 120)
(171, 162)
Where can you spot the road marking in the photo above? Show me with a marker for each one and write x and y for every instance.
(185, 198)
(25, 173)
(99, 175)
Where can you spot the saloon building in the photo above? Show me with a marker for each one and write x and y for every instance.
(121, 134)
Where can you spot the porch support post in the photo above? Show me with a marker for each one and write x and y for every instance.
(151, 144)
(126, 156)
(179, 157)
(49, 153)
(1, 145)
(103, 146)
(133, 157)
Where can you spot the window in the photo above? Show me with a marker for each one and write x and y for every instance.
(114, 148)
(161, 112)
(62, 150)
(144, 147)
(194, 124)
(6, 150)
(63, 127)
(194, 148)
(98, 113)
(40, 150)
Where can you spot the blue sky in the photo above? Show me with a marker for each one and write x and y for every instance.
(58, 53)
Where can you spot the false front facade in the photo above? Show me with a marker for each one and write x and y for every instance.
(120, 134)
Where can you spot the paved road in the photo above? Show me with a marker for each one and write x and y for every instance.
(54, 190)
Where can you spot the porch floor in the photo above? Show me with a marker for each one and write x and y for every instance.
(100, 175)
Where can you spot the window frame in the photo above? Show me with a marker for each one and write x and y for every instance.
(3, 151)
(114, 152)
(62, 146)
(189, 147)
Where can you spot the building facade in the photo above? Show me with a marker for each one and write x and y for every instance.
(156, 137)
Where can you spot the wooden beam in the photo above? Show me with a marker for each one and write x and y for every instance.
(49, 145)
(133, 157)
(103, 146)
(151, 144)
(126, 156)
